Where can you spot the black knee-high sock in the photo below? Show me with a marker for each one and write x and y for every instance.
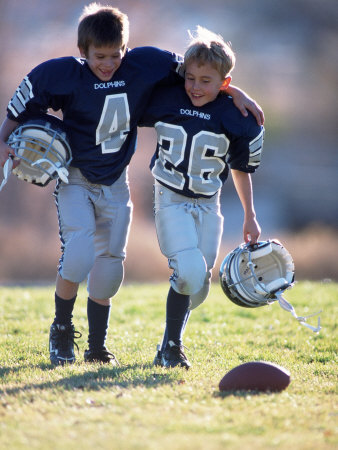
(98, 321)
(63, 310)
(177, 316)
(165, 335)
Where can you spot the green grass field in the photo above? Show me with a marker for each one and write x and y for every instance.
(138, 406)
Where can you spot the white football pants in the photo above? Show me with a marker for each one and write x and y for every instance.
(189, 233)
(94, 223)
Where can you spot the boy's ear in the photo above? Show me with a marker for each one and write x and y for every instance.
(226, 83)
(82, 52)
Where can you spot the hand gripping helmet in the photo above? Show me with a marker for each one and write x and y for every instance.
(43, 149)
(256, 275)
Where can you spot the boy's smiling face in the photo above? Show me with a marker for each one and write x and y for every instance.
(103, 61)
(203, 83)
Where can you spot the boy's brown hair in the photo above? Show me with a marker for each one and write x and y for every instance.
(208, 47)
(102, 26)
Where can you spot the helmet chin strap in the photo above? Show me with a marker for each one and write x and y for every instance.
(8, 166)
(7, 171)
(301, 319)
(284, 303)
(61, 171)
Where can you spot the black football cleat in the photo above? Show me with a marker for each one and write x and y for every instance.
(158, 357)
(102, 355)
(61, 344)
(174, 356)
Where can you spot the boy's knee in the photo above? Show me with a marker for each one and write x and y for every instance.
(77, 259)
(189, 271)
(199, 297)
(105, 278)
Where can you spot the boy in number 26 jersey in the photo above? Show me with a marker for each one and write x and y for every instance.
(200, 135)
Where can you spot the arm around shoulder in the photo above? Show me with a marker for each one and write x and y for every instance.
(245, 103)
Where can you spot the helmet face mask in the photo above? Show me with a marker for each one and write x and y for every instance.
(43, 149)
(254, 276)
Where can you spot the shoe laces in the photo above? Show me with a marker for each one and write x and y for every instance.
(110, 355)
(178, 349)
(104, 352)
(66, 334)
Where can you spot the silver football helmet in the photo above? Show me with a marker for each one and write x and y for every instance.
(256, 275)
(41, 145)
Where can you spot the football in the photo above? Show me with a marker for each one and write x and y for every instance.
(256, 376)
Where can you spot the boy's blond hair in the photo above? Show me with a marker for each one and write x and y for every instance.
(102, 26)
(208, 47)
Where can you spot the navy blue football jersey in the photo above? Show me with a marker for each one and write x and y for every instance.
(101, 117)
(197, 145)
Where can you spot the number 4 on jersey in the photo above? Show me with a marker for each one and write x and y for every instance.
(114, 124)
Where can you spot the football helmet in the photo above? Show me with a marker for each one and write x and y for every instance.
(42, 146)
(256, 275)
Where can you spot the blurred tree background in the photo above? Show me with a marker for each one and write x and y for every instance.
(287, 60)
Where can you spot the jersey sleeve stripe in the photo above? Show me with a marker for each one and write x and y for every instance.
(259, 137)
(255, 148)
(257, 142)
(12, 109)
(22, 95)
(256, 153)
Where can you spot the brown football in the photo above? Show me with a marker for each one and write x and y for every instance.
(255, 376)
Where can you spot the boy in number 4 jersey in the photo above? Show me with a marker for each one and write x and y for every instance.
(200, 134)
(102, 96)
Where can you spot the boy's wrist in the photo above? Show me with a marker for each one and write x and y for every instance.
(250, 215)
